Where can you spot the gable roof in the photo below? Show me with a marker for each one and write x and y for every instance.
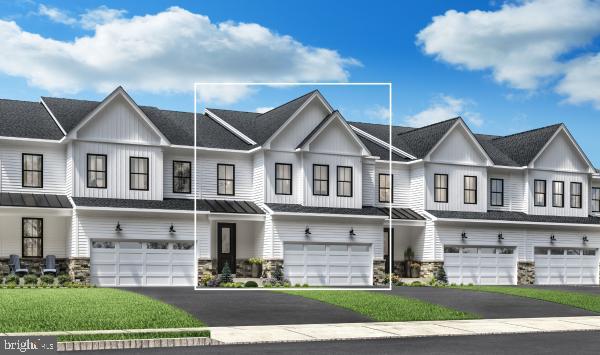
(26, 119)
(524, 146)
(420, 141)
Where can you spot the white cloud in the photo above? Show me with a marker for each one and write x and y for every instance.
(56, 15)
(263, 109)
(378, 113)
(581, 81)
(166, 52)
(99, 16)
(521, 43)
(442, 108)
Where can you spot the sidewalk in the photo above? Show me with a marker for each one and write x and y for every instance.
(350, 331)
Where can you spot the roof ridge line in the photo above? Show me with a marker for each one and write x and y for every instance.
(529, 131)
(430, 125)
(290, 101)
(224, 109)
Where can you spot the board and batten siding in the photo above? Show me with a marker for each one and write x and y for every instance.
(561, 155)
(326, 230)
(567, 177)
(118, 170)
(458, 148)
(11, 167)
(514, 184)
(306, 120)
(456, 174)
(55, 232)
(90, 227)
(335, 139)
(333, 161)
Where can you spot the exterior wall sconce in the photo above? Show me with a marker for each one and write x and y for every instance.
(172, 228)
(307, 232)
(352, 234)
(118, 227)
(500, 237)
(463, 235)
(585, 239)
(552, 238)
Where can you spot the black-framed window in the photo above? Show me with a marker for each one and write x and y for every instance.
(283, 179)
(386, 188)
(320, 180)
(344, 181)
(558, 194)
(576, 191)
(33, 170)
(470, 189)
(539, 193)
(138, 173)
(226, 179)
(96, 171)
(182, 177)
(32, 231)
(440, 188)
(496, 192)
(595, 199)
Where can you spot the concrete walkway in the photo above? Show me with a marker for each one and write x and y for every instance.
(353, 331)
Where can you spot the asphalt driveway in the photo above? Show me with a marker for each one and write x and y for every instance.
(490, 305)
(234, 307)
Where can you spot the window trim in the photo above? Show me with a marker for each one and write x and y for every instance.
(465, 189)
(284, 179)
(495, 192)
(225, 179)
(320, 180)
(540, 193)
(593, 199)
(435, 188)
(41, 171)
(391, 188)
(556, 194)
(41, 237)
(132, 173)
(182, 177)
(337, 171)
(87, 170)
(573, 183)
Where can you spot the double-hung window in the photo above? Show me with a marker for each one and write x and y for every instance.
(595, 199)
(138, 173)
(182, 177)
(558, 194)
(539, 193)
(576, 195)
(33, 170)
(470, 190)
(496, 192)
(226, 179)
(32, 233)
(440, 188)
(386, 187)
(320, 180)
(283, 179)
(344, 181)
(96, 171)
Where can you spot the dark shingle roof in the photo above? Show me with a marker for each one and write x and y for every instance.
(524, 146)
(515, 216)
(69, 112)
(420, 141)
(397, 213)
(27, 120)
(381, 152)
(34, 200)
(214, 206)
(316, 129)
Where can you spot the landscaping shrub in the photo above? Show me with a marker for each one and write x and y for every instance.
(63, 279)
(206, 277)
(232, 284)
(215, 281)
(250, 284)
(416, 283)
(12, 279)
(305, 285)
(226, 276)
(277, 279)
(30, 279)
(441, 276)
(47, 279)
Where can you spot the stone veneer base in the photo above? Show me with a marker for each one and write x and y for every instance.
(77, 268)
(525, 273)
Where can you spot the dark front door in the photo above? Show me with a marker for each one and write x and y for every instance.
(226, 246)
(387, 251)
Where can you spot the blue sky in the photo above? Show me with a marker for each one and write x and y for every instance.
(466, 61)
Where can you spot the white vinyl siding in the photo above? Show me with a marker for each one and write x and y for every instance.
(331, 200)
(55, 233)
(568, 178)
(456, 174)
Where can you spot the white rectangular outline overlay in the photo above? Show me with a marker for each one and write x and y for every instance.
(274, 84)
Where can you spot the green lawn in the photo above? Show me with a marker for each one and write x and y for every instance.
(384, 307)
(27, 310)
(575, 299)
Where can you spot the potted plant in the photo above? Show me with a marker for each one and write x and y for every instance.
(415, 270)
(409, 256)
(256, 264)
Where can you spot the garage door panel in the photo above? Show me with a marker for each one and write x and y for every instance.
(104, 269)
(558, 266)
(480, 265)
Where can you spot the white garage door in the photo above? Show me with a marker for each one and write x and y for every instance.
(147, 263)
(562, 266)
(328, 264)
(480, 265)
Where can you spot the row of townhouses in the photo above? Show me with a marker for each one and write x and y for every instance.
(108, 188)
